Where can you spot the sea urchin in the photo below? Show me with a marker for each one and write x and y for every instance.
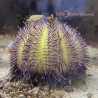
(49, 52)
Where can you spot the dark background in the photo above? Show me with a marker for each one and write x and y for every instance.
(14, 12)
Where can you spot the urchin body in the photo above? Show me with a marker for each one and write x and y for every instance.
(48, 53)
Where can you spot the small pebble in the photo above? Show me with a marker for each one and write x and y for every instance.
(30, 91)
(35, 90)
(89, 95)
(22, 96)
(89, 75)
(68, 89)
(8, 96)
(7, 84)
(1, 86)
(1, 81)
(1, 96)
(58, 97)
(29, 97)
(46, 88)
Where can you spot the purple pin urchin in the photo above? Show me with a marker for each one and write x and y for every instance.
(48, 52)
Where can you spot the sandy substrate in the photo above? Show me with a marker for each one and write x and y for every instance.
(88, 90)
(5, 63)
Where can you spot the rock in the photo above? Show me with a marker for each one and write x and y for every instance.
(1, 86)
(57, 94)
(58, 97)
(10, 89)
(8, 96)
(19, 92)
(41, 93)
(13, 94)
(68, 89)
(22, 96)
(46, 88)
(1, 81)
(89, 75)
(89, 95)
(7, 84)
(7, 90)
(1, 96)
(29, 97)
(35, 90)
(30, 91)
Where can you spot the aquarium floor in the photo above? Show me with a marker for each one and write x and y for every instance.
(87, 90)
